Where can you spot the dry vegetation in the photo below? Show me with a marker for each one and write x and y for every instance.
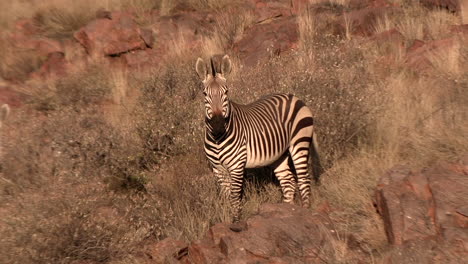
(85, 180)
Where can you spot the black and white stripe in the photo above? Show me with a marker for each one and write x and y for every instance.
(267, 132)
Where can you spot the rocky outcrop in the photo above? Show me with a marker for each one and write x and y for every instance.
(420, 55)
(450, 5)
(426, 210)
(263, 41)
(113, 36)
(279, 233)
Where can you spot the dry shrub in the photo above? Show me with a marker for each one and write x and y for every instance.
(15, 63)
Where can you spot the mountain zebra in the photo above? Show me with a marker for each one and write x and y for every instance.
(269, 131)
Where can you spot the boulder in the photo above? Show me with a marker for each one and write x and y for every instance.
(392, 37)
(426, 209)
(451, 5)
(361, 22)
(262, 41)
(112, 37)
(54, 66)
(10, 97)
(418, 56)
(266, 10)
(41, 45)
(166, 251)
(279, 233)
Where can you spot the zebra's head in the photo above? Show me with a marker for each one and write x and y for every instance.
(215, 87)
(215, 90)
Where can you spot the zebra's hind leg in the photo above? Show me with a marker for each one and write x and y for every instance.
(300, 156)
(286, 178)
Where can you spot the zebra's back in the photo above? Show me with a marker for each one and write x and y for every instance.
(270, 125)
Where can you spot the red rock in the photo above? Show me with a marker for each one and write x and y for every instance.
(111, 37)
(459, 29)
(54, 66)
(324, 208)
(461, 217)
(427, 204)
(147, 36)
(43, 46)
(166, 250)
(266, 10)
(416, 45)
(392, 36)
(279, 233)
(424, 251)
(10, 97)
(102, 13)
(417, 58)
(404, 206)
(141, 58)
(263, 41)
(451, 5)
(362, 21)
(26, 27)
(199, 253)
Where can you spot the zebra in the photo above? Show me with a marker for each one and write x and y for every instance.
(268, 132)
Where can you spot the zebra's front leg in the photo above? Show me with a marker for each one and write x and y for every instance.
(237, 180)
(223, 183)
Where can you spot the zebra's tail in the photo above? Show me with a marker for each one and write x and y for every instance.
(317, 168)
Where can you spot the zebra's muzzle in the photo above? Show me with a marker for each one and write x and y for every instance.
(218, 127)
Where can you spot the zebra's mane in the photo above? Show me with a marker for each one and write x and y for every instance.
(213, 70)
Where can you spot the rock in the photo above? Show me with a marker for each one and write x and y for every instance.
(263, 41)
(392, 36)
(416, 45)
(26, 27)
(10, 97)
(361, 22)
(389, 42)
(404, 200)
(279, 233)
(166, 250)
(419, 55)
(102, 13)
(147, 36)
(54, 66)
(265, 11)
(424, 206)
(451, 5)
(111, 37)
(42, 46)
(200, 253)
(459, 29)
(423, 251)
(140, 58)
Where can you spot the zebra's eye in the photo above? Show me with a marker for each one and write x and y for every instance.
(204, 93)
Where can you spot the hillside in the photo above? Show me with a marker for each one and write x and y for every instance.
(102, 151)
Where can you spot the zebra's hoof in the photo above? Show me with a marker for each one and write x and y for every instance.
(238, 226)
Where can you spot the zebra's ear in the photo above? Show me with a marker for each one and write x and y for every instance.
(201, 69)
(4, 111)
(226, 65)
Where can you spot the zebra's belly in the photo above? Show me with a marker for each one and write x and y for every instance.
(257, 161)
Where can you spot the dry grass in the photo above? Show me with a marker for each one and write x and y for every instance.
(111, 160)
